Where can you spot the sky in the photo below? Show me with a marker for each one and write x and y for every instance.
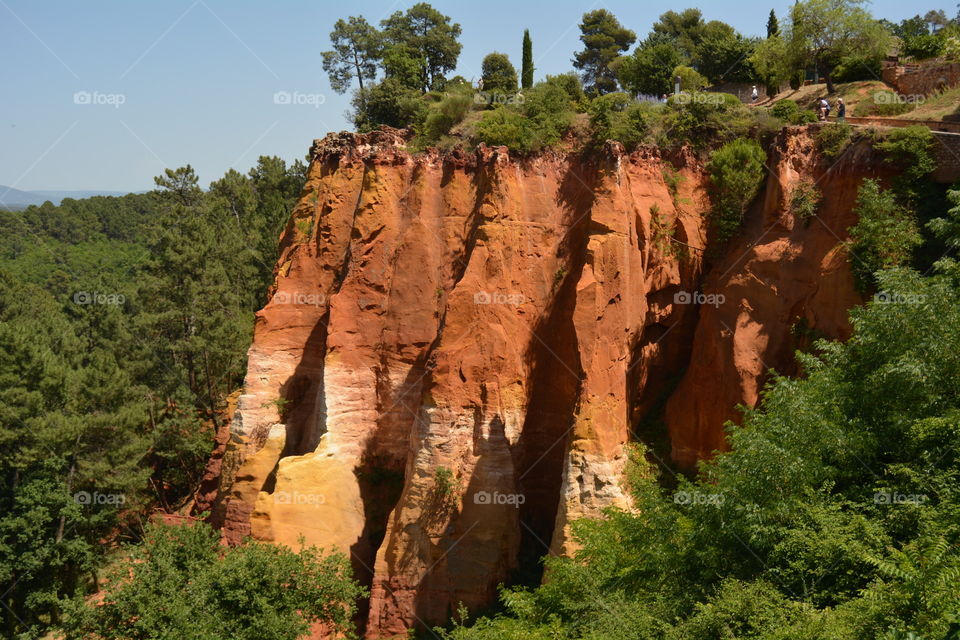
(105, 94)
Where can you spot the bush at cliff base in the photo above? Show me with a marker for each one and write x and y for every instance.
(836, 516)
(181, 583)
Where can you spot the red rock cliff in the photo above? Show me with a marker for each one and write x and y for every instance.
(459, 346)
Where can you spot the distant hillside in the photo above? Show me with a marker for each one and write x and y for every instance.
(11, 198)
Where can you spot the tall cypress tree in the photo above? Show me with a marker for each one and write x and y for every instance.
(526, 73)
(773, 27)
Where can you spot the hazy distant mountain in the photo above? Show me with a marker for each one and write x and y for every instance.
(17, 199)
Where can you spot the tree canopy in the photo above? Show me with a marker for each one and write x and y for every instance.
(604, 39)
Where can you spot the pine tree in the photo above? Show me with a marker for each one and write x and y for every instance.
(526, 73)
(773, 27)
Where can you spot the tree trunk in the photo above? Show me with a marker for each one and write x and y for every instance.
(356, 65)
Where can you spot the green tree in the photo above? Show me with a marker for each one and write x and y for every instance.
(70, 434)
(649, 70)
(685, 30)
(771, 63)
(429, 37)
(885, 234)
(526, 74)
(690, 79)
(823, 33)
(498, 73)
(256, 591)
(357, 48)
(181, 185)
(736, 173)
(604, 39)
(722, 54)
(773, 26)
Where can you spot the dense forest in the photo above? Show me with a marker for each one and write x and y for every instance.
(125, 321)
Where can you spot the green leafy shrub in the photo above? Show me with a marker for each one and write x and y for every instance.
(570, 83)
(736, 174)
(885, 234)
(539, 122)
(911, 150)
(616, 116)
(445, 115)
(805, 200)
(388, 102)
(690, 79)
(833, 139)
(703, 119)
(252, 592)
(789, 111)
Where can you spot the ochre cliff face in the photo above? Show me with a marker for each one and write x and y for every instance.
(459, 347)
(784, 282)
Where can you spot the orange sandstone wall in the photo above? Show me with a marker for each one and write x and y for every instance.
(459, 346)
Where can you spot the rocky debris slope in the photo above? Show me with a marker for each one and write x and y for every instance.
(459, 347)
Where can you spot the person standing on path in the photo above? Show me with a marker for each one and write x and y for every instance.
(754, 94)
(841, 110)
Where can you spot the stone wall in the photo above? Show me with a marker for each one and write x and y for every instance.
(922, 79)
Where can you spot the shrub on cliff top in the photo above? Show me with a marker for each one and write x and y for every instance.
(911, 150)
(616, 116)
(789, 111)
(736, 173)
(834, 138)
(536, 122)
(704, 119)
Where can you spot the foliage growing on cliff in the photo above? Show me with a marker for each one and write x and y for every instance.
(180, 580)
(885, 234)
(616, 117)
(540, 121)
(910, 149)
(805, 200)
(833, 139)
(834, 515)
(736, 173)
(704, 120)
(789, 111)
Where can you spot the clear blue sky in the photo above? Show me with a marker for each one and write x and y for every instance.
(197, 77)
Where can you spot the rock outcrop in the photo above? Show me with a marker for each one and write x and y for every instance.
(459, 347)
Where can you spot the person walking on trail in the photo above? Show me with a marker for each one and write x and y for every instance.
(841, 110)
(754, 94)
